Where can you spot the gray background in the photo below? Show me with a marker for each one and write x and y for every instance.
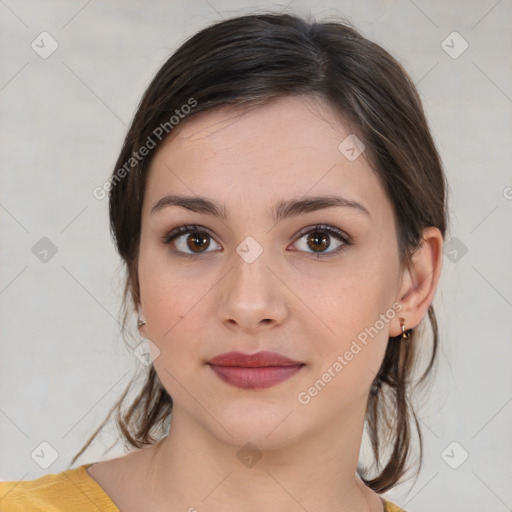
(63, 362)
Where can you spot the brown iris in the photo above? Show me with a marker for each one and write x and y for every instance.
(319, 239)
(198, 240)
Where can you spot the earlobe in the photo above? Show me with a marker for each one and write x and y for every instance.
(421, 279)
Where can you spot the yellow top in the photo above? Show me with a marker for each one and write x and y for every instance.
(72, 490)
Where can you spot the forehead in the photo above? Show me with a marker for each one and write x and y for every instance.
(283, 122)
(287, 147)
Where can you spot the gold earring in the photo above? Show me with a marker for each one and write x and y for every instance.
(140, 323)
(402, 325)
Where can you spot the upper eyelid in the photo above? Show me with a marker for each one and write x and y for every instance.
(321, 226)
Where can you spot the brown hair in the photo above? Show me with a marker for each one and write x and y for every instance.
(242, 62)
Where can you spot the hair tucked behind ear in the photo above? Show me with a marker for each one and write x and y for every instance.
(243, 62)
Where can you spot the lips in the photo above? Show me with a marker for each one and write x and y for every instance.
(254, 371)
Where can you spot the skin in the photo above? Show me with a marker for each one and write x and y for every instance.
(287, 301)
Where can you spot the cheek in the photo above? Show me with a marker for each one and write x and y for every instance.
(347, 320)
(344, 364)
(175, 316)
(346, 299)
(175, 312)
(179, 305)
(169, 292)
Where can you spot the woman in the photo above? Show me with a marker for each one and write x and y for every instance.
(280, 207)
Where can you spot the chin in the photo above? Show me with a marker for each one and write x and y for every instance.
(271, 429)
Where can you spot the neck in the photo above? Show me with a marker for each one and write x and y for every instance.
(191, 469)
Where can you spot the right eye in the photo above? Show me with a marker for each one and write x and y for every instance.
(196, 241)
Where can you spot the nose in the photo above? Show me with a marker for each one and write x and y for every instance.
(252, 296)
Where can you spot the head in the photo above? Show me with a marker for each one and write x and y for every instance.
(274, 119)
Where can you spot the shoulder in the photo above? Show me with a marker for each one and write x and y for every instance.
(72, 489)
(391, 507)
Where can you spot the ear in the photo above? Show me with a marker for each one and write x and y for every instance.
(419, 281)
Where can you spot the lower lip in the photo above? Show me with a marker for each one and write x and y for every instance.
(255, 378)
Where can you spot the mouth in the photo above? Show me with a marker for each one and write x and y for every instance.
(254, 371)
(255, 377)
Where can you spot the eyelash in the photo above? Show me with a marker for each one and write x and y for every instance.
(330, 230)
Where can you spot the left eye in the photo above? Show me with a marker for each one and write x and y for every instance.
(318, 238)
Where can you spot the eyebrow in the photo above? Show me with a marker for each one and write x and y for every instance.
(283, 209)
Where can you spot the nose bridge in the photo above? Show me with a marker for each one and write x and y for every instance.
(251, 292)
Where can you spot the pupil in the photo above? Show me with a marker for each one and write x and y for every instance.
(322, 239)
(199, 240)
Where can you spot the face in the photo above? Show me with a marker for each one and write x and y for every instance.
(316, 284)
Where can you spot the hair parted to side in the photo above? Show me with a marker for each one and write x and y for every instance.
(243, 62)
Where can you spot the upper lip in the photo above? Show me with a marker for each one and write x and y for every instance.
(252, 360)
